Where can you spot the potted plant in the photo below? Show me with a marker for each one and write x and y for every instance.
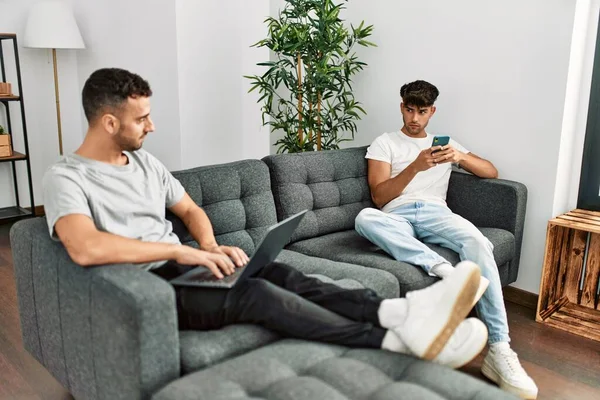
(307, 89)
(5, 147)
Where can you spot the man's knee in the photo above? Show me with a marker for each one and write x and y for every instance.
(365, 218)
(278, 266)
(258, 285)
(479, 243)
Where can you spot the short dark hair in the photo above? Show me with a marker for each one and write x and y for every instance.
(419, 94)
(110, 88)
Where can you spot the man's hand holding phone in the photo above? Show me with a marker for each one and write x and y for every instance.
(443, 152)
(446, 154)
(440, 152)
(425, 159)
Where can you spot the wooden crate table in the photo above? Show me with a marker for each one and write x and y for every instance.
(568, 297)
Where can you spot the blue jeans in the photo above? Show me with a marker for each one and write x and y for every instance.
(403, 231)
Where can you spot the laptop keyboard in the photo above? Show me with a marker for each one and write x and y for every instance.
(209, 277)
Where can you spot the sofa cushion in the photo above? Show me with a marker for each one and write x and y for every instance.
(236, 197)
(200, 349)
(332, 185)
(296, 369)
(350, 247)
(382, 282)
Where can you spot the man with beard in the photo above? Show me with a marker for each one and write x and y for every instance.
(106, 204)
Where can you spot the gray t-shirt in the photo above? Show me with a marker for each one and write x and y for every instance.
(126, 200)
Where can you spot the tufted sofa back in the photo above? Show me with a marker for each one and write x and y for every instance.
(236, 197)
(332, 185)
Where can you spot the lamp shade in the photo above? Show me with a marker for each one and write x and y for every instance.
(52, 25)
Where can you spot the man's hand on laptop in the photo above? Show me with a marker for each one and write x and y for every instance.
(217, 263)
(237, 255)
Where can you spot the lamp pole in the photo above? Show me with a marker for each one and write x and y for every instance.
(51, 25)
(60, 143)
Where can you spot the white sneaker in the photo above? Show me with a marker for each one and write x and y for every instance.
(434, 313)
(464, 345)
(483, 285)
(503, 367)
(467, 341)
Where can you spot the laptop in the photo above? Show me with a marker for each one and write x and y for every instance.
(277, 236)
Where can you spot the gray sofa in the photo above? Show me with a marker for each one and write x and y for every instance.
(333, 185)
(111, 332)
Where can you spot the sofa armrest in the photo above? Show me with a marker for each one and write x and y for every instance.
(490, 203)
(108, 332)
(135, 332)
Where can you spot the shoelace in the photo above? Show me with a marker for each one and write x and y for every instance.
(511, 360)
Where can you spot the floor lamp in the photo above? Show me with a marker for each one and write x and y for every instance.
(51, 25)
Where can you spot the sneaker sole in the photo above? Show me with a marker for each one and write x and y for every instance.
(456, 308)
(474, 352)
(490, 373)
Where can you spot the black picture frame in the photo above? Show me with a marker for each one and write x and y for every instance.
(589, 183)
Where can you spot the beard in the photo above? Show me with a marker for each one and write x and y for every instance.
(414, 130)
(127, 143)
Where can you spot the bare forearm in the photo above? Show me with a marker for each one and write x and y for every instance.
(390, 189)
(200, 228)
(478, 166)
(106, 248)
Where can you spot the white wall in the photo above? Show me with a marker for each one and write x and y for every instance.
(255, 137)
(501, 68)
(220, 122)
(139, 36)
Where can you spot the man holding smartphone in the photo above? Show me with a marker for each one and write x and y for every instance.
(408, 178)
(106, 204)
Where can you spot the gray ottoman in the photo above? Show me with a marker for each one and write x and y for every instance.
(300, 370)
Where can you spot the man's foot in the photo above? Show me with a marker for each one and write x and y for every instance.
(483, 285)
(464, 345)
(444, 270)
(502, 366)
(433, 313)
(467, 341)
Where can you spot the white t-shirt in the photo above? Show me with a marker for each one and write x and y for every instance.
(399, 150)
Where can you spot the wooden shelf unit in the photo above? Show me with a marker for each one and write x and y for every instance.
(569, 287)
(15, 157)
(16, 211)
(4, 97)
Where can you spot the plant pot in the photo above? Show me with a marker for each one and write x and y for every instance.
(5, 146)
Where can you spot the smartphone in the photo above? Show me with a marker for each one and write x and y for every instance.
(440, 141)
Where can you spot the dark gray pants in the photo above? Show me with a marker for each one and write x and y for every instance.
(286, 301)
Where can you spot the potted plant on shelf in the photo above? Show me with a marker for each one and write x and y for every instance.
(5, 147)
(307, 89)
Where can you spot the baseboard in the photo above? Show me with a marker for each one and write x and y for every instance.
(520, 297)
